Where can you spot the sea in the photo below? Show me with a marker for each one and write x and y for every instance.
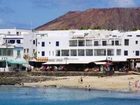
(11, 95)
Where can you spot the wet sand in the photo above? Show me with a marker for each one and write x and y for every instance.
(114, 83)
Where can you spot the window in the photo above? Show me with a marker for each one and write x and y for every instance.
(116, 42)
(81, 43)
(89, 52)
(33, 41)
(118, 52)
(137, 35)
(18, 53)
(43, 44)
(34, 51)
(126, 42)
(2, 64)
(24, 50)
(100, 52)
(136, 42)
(104, 43)
(57, 43)
(137, 53)
(65, 52)
(112, 43)
(11, 41)
(6, 52)
(125, 53)
(9, 52)
(18, 41)
(18, 33)
(27, 50)
(57, 52)
(110, 52)
(73, 43)
(129, 35)
(88, 42)
(43, 53)
(81, 52)
(96, 43)
(73, 52)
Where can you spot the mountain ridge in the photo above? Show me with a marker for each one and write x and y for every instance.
(102, 18)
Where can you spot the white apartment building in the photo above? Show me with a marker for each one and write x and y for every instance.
(15, 45)
(22, 37)
(88, 46)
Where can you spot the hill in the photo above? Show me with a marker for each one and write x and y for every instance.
(107, 18)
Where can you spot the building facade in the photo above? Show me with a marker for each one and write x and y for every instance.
(88, 46)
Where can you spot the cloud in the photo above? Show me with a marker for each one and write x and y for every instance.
(123, 3)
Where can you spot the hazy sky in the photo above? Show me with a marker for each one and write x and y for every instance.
(32, 13)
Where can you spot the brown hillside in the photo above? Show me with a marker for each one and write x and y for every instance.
(112, 18)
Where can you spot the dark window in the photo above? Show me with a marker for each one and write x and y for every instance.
(43, 53)
(43, 44)
(126, 42)
(136, 42)
(11, 41)
(110, 52)
(57, 52)
(116, 42)
(89, 52)
(24, 50)
(112, 42)
(18, 41)
(137, 53)
(27, 50)
(96, 43)
(17, 33)
(137, 35)
(104, 43)
(73, 43)
(18, 53)
(33, 41)
(81, 43)
(118, 52)
(73, 53)
(125, 53)
(129, 35)
(65, 52)
(57, 43)
(81, 52)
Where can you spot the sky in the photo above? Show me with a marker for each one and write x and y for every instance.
(29, 14)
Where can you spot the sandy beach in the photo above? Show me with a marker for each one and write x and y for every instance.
(114, 83)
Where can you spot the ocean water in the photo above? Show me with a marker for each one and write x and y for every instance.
(10, 95)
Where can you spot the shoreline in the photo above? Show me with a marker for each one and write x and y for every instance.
(117, 83)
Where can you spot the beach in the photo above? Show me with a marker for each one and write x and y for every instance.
(123, 83)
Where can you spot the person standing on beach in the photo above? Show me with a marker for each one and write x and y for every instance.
(81, 80)
(129, 86)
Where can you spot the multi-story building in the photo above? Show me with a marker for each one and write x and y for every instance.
(88, 46)
(19, 42)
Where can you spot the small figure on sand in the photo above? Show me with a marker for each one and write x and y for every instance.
(129, 86)
(80, 80)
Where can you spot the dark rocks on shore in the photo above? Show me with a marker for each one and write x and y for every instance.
(13, 78)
